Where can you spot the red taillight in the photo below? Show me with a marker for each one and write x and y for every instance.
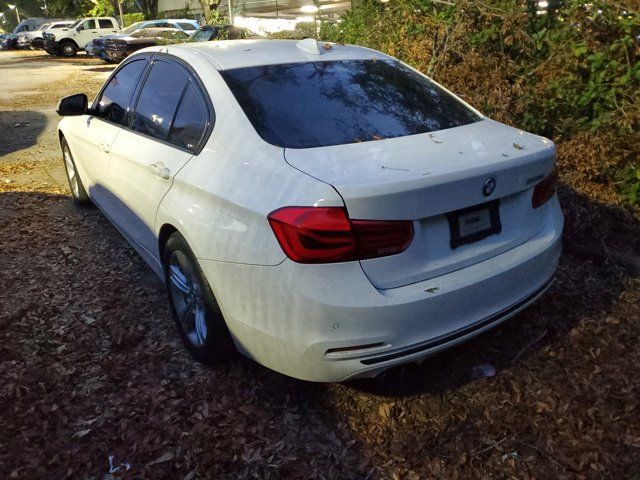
(544, 190)
(326, 235)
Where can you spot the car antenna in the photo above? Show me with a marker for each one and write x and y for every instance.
(309, 45)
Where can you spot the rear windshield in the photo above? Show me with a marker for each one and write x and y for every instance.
(186, 26)
(316, 104)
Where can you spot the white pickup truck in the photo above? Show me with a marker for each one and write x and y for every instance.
(67, 41)
(33, 39)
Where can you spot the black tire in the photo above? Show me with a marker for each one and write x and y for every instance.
(187, 285)
(67, 49)
(78, 192)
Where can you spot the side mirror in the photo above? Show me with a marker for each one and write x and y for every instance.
(73, 105)
(79, 28)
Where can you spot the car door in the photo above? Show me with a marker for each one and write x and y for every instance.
(167, 125)
(85, 32)
(96, 132)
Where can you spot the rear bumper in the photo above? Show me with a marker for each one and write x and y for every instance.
(302, 320)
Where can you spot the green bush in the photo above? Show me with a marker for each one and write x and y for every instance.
(571, 72)
(131, 18)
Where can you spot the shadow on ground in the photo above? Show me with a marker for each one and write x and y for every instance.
(106, 68)
(20, 130)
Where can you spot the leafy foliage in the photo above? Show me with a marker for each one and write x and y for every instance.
(69, 8)
(131, 18)
(216, 17)
(102, 8)
(303, 30)
(571, 70)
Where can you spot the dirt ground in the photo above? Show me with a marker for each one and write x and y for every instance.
(94, 383)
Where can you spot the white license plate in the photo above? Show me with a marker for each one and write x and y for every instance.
(474, 222)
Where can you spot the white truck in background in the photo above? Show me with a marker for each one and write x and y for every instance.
(67, 41)
(33, 39)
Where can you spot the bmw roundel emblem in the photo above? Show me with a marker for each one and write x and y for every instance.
(489, 186)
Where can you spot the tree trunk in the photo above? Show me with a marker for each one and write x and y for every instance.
(209, 6)
(149, 9)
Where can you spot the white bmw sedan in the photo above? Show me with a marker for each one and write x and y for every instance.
(324, 209)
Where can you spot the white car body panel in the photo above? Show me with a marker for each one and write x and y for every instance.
(132, 178)
(289, 316)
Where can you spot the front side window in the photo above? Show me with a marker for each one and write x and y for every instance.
(315, 104)
(191, 120)
(116, 97)
(87, 25)
(159, 99)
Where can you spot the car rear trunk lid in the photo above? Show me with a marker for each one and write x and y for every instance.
(426, 177)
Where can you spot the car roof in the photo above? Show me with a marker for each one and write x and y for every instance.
(189, 20)
(230, 54)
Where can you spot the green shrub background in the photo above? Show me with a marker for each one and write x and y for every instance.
(131, 18)
(570, 73)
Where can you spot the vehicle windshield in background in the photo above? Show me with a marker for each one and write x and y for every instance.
(131, 28)
(147, 32)
(202, 35)
(316, 104)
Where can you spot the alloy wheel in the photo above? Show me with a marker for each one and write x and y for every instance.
(72, 175)
(188, 301)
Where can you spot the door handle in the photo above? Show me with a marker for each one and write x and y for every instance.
(160, 170)
(104, 147)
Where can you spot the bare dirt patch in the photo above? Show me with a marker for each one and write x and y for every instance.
(91, 368)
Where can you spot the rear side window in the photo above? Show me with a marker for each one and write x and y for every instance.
(186, 26)
(105, 23)
(117, 95)
(315, 104)
(191, 120)
(159, 99)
